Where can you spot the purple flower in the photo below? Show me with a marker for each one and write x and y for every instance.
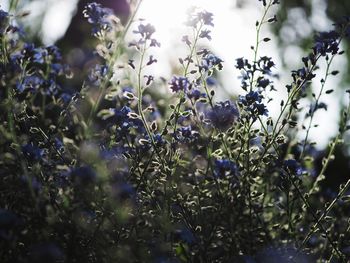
(186, 134)
(98, 17)
(146, 31)
(97, 74)
(32, 152)
(252, 104)
(241, 63)
(293, 167)
(326, 42)
(195, 94)
(210, 61)
(30, 83)
(263, 82)
(205, 34)
(179, 83)
(223, 115)
(203, 17)
(224, 168)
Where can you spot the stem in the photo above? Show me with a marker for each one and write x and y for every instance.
(315, 107)
(110, 65)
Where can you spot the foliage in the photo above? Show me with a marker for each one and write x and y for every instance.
(119, 172)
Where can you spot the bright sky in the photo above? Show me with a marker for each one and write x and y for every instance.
(233, 34)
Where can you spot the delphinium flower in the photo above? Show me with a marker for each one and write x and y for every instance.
(293, 167)
(327, 42)
(145, 33)
(30, 83)
(210, 61)
(253, 105)
(223, 115)
(200, 17)
(177, 84)
(186, 134)
(225, 168)
(33, 152)
(195, 94)
(98, 17)
(97, 75)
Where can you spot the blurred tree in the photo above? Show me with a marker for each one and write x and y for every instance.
(78, 31)
(77, 44)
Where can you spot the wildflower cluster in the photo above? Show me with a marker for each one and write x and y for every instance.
(117, 171)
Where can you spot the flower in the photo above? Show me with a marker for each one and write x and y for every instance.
(224, 168)
(97, 74)
(210, 61)
(293, 167)
(32, 152)
(326, 42)
(205, 34)
(30, 83)
(146, 31)
(179, 83)
(252, 104)
(202, 17)
(223, 115)
(195, 94)
(98, 17)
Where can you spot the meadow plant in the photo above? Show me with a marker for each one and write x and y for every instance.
(118, 171)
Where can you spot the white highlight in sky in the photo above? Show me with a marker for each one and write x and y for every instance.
(57, 19)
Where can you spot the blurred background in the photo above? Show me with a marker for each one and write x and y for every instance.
(61, 22)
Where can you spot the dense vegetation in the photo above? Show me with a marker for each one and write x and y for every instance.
(117, 170)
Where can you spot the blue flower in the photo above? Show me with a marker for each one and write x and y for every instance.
(203, 17)
(146, 31)
(186, 134)
(265, 65)
(179, 83)
(205, 34)
(30, 83)
(97, 75)
(39, 55)
(195, 94)
(224, 168)
(32, 152)
(241, 63)
(98, 17)
(293, 167)
(252, 104)
(250, 98)
(263, 82)
(326, 42)
(223, 115)
(210, 61)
